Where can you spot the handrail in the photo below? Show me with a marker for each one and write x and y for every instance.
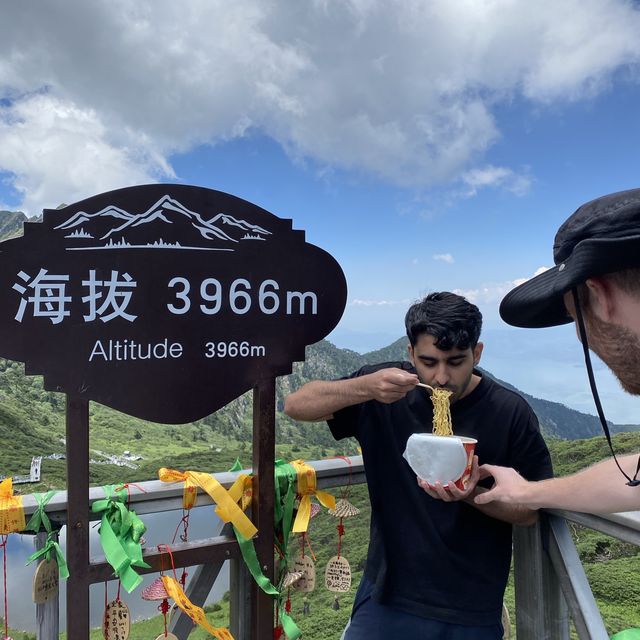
(154, 496)
(549, 575)
(624, 526)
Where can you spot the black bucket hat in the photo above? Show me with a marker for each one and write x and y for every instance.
(602, 236)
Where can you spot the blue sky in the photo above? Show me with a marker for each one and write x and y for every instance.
(426, 145)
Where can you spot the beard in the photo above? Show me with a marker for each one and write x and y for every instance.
(619, 348)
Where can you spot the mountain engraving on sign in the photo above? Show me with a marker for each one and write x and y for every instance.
(120, 229)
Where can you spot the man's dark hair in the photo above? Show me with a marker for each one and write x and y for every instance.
(449, 318)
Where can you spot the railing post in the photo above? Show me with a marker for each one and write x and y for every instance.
(48, 613)
(77, 518)
(264, 442)
(574, 583)
(541, 611)
(240, 585)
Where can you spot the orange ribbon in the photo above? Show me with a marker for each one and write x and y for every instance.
(11, 510)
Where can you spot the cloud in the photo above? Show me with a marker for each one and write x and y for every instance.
(444, 257)
(357, 302)
(403, 90)
(518, 281)
(540, 270)
(496, 177)
(493, 292)
(59, 152)
(487, 293)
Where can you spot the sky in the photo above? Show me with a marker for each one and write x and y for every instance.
(427, 146)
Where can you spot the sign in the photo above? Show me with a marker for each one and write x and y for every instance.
(164, 302)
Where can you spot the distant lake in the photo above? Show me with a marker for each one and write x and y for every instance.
(160, 529)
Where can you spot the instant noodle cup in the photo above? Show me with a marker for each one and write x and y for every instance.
(441, 458)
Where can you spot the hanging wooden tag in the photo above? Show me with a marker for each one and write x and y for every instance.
(307, 582)
(117, 621)
(169, 636)
(45, 581)
(337, 575)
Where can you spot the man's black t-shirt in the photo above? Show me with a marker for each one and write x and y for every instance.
(441, 560)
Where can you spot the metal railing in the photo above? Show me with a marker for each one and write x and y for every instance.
(550, 582)
(156, 497)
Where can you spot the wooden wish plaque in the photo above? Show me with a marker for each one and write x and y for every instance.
(307, 582)
(337, 575)
(45, 581)
(117, 621)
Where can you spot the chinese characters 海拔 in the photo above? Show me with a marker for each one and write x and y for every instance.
(48, 297)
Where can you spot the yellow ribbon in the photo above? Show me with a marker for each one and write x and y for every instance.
(307, 488)
(226, 508)
(175, 591)
(242, 491)
(11, 511)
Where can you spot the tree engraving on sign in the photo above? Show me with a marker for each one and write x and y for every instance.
(337, 575)
(164, 302)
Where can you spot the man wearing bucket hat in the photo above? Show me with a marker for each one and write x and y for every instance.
(437, 565)
(596, 283)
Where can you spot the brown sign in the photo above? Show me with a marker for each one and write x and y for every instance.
(164, 302)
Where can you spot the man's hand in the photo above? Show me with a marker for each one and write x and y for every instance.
(390, 385)
(451, 493)
(509, 485)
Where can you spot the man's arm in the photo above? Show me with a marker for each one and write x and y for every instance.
(511, 513)
(598, 489)
(319, 400)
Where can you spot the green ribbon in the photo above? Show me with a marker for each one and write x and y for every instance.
(289, 626)
(627, 634)
(286, 480)
(285, 495)
(40, 519)
(50, 548)
(285, 486)
(120, 533)
(251, 560)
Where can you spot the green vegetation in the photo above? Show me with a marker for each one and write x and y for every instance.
(32, 421)
(11, 224)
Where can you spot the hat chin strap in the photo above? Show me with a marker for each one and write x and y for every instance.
(594, 391)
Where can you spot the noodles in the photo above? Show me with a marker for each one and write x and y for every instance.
(441, 412)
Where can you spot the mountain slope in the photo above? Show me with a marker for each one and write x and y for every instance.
(11, 224)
